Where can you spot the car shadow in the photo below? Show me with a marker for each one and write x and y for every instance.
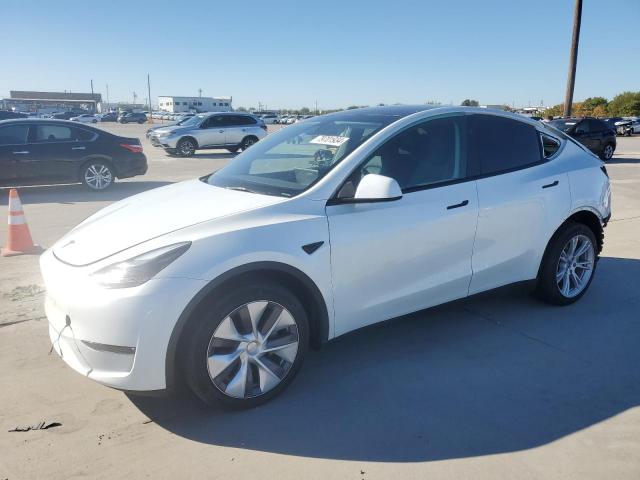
(616, 160)
(495, 373)
(78, 193)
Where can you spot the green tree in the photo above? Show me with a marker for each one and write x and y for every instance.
(469, 103)
(627, 104)
(304, 111)
(591, 103)
(241, 109)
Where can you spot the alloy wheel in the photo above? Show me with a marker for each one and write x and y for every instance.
(608, 152)
(187, 147)
(575, 266)
(253, 349)
(98, 176)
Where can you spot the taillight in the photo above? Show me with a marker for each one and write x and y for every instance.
(132, 148)
(604, 170)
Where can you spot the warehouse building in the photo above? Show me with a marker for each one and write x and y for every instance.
(194, 104)
(43, 102)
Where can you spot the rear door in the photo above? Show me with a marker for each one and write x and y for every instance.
(523, 196)
(586, 136)
(57, 151)
(239, 128)
(14, 152)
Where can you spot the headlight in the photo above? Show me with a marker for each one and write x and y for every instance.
(137, 270)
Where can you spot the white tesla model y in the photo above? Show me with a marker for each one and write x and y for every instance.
(324, 227)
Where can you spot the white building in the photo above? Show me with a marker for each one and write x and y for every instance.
(194, 104)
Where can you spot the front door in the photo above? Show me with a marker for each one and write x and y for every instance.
(392, 258)
(212, 132)
(56, 152)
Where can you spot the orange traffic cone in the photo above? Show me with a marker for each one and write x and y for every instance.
(19, 242)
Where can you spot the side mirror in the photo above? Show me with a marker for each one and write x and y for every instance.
(377, 188)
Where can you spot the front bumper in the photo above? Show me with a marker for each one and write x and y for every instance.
(117, 337)
(163, 142)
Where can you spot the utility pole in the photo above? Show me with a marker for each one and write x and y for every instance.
(200, 93)
(316, 107)
(135, 95)
(108, 103)
(149, 93)
(95, 106)
(573, 59)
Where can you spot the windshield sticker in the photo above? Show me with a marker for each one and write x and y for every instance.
(333, 141)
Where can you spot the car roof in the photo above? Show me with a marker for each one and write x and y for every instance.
(53, 121)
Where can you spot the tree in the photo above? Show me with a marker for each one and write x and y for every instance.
(241, 109)
(627, 104)
(469, 103)
(304, 111)
(599, 111)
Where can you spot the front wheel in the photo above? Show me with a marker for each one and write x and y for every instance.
(568, 265)
(186, 147)
(245, 347)
(607, 152)
(97, 175)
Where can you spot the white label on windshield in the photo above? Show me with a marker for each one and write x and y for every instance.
(333, 141)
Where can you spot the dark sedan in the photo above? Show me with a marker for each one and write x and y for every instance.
(36, 152)
(591, 132)
(132, 118)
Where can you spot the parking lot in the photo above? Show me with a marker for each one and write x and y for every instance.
(498, 385)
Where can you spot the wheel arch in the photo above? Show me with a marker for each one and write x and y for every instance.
(586, 217)
(300, 283)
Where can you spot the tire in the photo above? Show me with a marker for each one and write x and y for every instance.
(551, 283)
(140, 122)
(94, 121)
(97, 175)
(607, 152)
(239, 377)
(247, 142)
(186, 147)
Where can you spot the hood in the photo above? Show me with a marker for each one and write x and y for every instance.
(151, 214)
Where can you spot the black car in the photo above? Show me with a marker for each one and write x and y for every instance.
(591, 132)
(132, 118)
(35, 151)
(109, 117)
(7, 114)
(66, 115)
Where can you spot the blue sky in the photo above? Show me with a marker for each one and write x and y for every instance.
(288, 54)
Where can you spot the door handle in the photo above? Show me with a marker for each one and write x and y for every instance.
(458, 205)
(78, 148)
(21, 152)
(551, 184)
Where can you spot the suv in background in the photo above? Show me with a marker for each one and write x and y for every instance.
(132, 118)
(231, 130)
(594, 134)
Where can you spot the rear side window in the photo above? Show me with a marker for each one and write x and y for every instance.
(14, 134)
(549, 145)
(498, 144)
(84, 135)
(53, 133)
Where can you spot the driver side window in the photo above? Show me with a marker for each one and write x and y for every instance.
(426, 154)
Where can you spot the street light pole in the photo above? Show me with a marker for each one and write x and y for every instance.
(149, 93)
(573, 59)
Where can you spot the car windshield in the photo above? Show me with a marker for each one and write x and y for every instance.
(564, 125)
(289, 161)
(191, 121)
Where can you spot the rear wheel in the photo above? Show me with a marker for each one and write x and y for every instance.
(97, 175)
(607, 152)
(186, 147)
(568, 265)
(248, 141)
(245, 347)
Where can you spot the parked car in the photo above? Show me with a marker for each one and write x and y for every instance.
(591, 132)
(157, 127)
(132, 117)
(109, 117)
(611, 122)
(8, 114)
(231, 130)
(65, 115)
(628, 126)
(223, 282)
(85, 118)
(36, 151)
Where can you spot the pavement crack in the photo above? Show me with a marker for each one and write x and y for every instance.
(524, 334)
(7, 324)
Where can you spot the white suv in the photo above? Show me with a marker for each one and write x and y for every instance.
(324, 227)
(230, 130)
